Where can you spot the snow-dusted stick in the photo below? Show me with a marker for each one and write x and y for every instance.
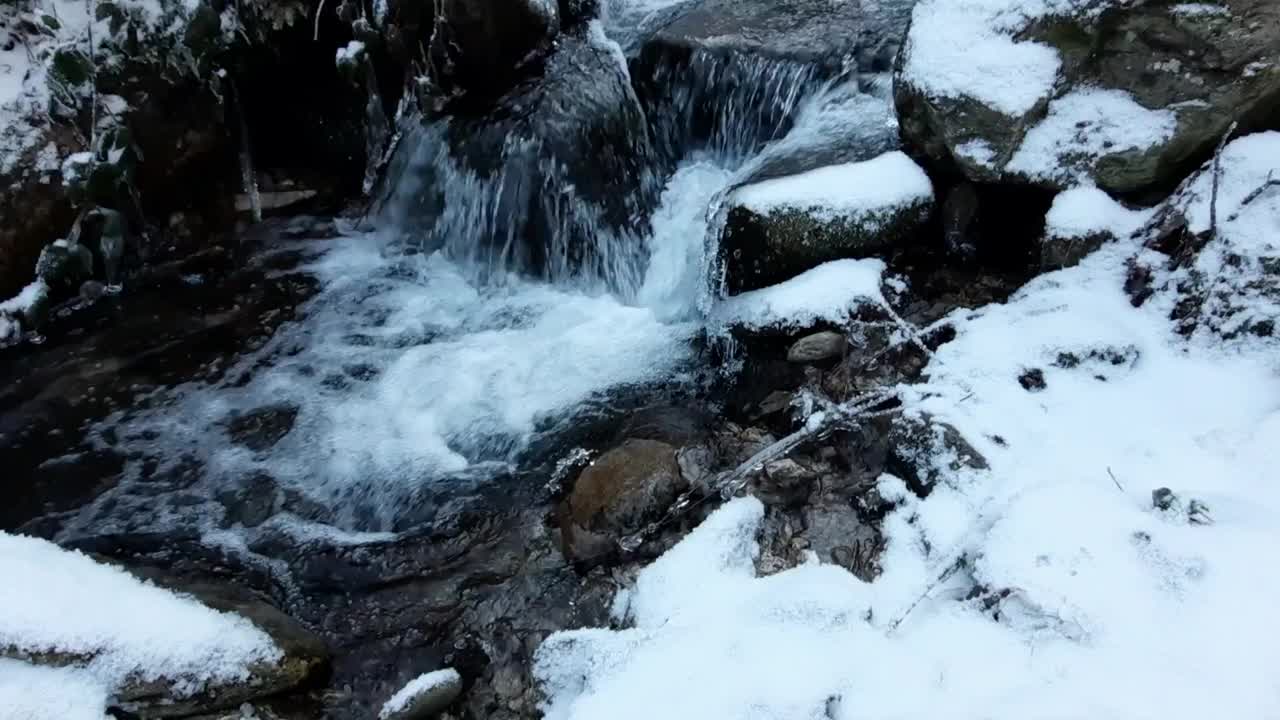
(943, 577)
(1271, 181)
(1217, 178)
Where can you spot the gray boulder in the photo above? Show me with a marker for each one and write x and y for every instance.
(1120, 95)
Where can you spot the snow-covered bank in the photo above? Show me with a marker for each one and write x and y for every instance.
(109, 629)
(1075, 596)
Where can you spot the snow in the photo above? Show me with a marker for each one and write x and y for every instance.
(120, 628)
(864, 191)
(1237, 268)
(966, 49)
(350, 54)
(30, 692)
(1085, 125)
(825, 293)
(1076, 597)
(26, 298)
(977, 151)
(1086, 211)
(420, 685)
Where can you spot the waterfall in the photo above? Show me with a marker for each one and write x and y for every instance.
(522, 271)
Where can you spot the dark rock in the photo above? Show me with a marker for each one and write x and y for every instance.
(959, 211)
(671, 424)
(924, 452)
(262, 428)
(1163, 499)
(803, 30)
(1032, 380)
(482, 48)
(617, 495)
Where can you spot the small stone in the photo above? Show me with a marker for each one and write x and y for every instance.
(1032, 380)
(1163, 499)
(817, 347)
(424, 697)
(91, 291)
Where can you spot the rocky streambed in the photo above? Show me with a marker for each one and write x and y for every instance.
(429, 428)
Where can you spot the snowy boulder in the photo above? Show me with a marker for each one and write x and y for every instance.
(616, 496)
(158, 653)
(1080, 221)
(779, 228)
(423, 697)
(1117, 94)
(804, 31)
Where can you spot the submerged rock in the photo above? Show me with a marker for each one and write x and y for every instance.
(779, 228)
(1120, 95)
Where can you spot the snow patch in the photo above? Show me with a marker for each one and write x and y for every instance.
(1085, 125)
(966, 49)
(1087, 211)
(416, 687)
(117, 626)
(863, 192)
(826, 293)
(32, 692)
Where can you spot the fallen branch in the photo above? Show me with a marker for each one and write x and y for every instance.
(1114, 480)
(1217, 179)
(1270, 182)
(943, 577)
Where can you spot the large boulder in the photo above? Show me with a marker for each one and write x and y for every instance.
(778, 228)
(1122, 95)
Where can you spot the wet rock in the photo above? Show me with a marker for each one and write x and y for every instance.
(674, 425)
(260, 429)
(779, 228)
(617, 495)
(817, 347)
(581, 129)
(1188, 70)
(804, 30)
(811, 31)
(482, 48)
(925, 452)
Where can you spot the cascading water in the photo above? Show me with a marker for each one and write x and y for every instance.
(488, 309)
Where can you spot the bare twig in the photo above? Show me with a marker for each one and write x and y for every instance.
(1271, 181)
(942, 577)
(1217, 179)
(1114, 480)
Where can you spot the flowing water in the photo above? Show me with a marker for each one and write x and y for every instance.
(436, 354)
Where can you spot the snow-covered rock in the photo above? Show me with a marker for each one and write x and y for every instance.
(1063, 92)
(1080, 221)
(100, 633)
(780, 227)
(828, 293)
(423, 697)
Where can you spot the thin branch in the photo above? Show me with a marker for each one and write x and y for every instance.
(1217, 179)
(943, 577)
(1114, 480)
(1271, 181)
